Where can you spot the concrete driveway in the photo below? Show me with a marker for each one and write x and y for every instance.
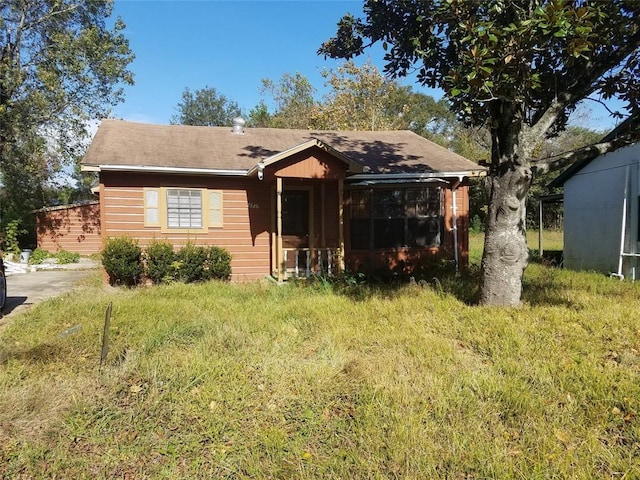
(26, 289)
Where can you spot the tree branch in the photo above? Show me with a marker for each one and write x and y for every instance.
(608, 144)
(580, 88)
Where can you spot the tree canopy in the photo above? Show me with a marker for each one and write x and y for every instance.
(358, 99)
(205, 107)
(518, 68)
(293, 95)
(61, 66)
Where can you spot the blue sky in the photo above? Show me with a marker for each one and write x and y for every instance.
(228, 45)
(231, 46)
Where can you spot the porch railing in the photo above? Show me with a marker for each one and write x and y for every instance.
(305, 262)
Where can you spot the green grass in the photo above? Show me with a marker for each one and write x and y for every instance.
(258, 381)
(552, 240)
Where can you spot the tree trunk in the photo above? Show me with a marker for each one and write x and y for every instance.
(505, 253)
(505, 246)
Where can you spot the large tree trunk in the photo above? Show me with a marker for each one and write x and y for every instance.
(505, 253)
(505, 246)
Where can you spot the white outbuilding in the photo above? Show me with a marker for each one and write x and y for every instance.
(602, 213)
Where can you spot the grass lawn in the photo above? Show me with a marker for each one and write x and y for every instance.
(258, 381)
(551, 241)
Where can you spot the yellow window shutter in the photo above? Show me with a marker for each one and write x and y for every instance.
(151, 207)
(215, 208)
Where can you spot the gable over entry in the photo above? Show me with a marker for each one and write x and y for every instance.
(307, 233)
(285, 202)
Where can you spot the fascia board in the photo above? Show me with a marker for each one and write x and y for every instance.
(157, 169)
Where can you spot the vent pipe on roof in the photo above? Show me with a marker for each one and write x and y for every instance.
(238, 125)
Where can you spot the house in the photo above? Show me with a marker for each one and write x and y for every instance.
(285, 202)
(602, 213)
(75, 228)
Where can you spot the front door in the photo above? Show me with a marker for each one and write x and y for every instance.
(295, 219)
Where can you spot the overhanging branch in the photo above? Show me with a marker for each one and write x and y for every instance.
(625, 134)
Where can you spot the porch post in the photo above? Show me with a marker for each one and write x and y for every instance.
(279, 253)
(341, 224)
(273, 232)
(317, 254)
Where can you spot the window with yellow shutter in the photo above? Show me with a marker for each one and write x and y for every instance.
(182, 209)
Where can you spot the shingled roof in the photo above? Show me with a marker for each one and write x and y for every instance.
(124, 144)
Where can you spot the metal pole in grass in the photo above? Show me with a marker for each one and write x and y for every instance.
(105, 336)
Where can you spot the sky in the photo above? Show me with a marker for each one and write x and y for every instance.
(227, 45)
(231, 45)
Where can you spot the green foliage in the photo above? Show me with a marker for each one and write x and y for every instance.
(487, 54)
(66, 257)
(122, 260)
(159, 260)
(38, 256)
(219, 264)
(364, 93)
(63, 257)
(49, 95)
(205, 107)
(191, 262)
(259, 116)
(263, 381)
(476, 225)
(11, 233)
(294, 99)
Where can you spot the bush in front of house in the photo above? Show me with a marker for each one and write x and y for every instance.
(219, 264)
(122, 260)
(191, 262)
(160, 261)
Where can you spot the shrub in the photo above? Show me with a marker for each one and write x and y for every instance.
(122, 260)
(160, 259)
(190, 263)
(476, 225)
(11, 233)
(39, 255)
(65, 257)
(219, 264)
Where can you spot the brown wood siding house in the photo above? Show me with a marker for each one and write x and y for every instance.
(285, 202)
(75, 228)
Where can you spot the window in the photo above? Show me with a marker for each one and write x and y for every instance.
(182, 209)
(399, 217)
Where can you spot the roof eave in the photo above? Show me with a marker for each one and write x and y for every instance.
(159, 169)
(417, 176)
(574, 168)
